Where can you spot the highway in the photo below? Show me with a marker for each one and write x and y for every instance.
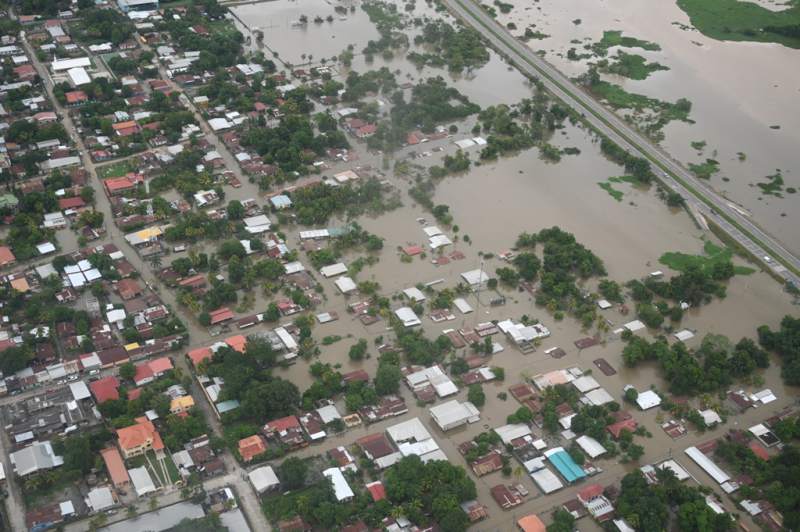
(698, 196)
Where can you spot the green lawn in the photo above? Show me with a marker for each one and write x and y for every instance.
(735, 20)
(115, 169)
(712, 254)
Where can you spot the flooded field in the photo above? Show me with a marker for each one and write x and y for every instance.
(285, 33)
(739, 91)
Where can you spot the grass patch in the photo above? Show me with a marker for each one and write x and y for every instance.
(608, 185)
(614, 193)
(117, 169)
(633, 66)
(328, 340)
(713, 254)
(223, 27)
(706, 169)
(624, 179)
(616, 38)
(773, 186)
(735, 20)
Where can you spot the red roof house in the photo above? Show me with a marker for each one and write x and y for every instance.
(105, 389)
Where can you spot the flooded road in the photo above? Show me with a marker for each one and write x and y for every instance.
(734, 112)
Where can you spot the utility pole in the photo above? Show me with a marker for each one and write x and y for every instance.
(478, 294)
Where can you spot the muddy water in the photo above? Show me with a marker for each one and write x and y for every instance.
(733, 110)
(278, 21)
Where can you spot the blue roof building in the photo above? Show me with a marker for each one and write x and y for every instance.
(565, 465)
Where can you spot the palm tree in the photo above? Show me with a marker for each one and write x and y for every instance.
(518, 472)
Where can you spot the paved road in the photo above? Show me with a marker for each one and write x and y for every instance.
(699, 197)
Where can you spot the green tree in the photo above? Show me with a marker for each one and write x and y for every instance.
(387, 379)
(293, 473)
(475, 395)
(127, 371)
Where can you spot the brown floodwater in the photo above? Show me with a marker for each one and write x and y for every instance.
(738, 91)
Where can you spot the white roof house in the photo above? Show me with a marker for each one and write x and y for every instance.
(286, 339)
(590, 446)
(332, 270)
(634, 326)
(66, 64)
(36, 457)
(329, 413)
(684, 335)
(513, 431)
(257, 224)
(710, 417)
(433, 376)
(407, 316)
(142, 482)
(462, 305)
(414, 294)
(603, 304)
(100, 499)
(263, 479)
(522, 334)
(410, 430)
(78, 76)
(79, 390)
(585, 384)
(438, 241)
(475, 278)
(293, 267)
(345, 285)
(340, 486)
(453, 414)
(707, 465)
(432, 230)
(648, 399)
(219, 124)
(599, 396)
(547, 481)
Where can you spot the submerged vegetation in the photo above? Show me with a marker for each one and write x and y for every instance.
(649, 114)
(705, 169)
(631, 66)
(529, 123)
(432, 102)
(616, 38)
(608, 185)
(455, 48)
(733, 20)
(716, 259)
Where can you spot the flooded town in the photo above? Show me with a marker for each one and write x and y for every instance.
(366, 265)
